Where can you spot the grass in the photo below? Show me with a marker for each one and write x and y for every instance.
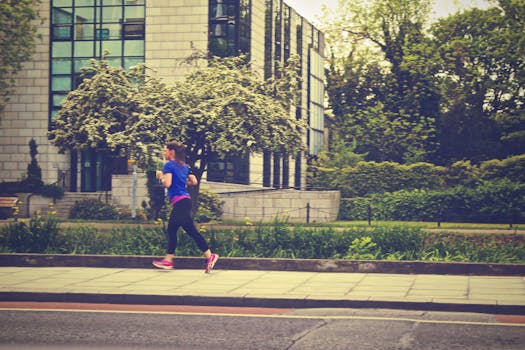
(335, 224)
(375, 223)
(430, 225)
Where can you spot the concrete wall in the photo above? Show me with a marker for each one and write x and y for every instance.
(239, 204)
(175, 30)
(122, 190)
(292, 205)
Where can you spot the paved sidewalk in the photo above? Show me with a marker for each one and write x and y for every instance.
(296, 289)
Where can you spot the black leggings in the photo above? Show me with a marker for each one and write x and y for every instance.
(181, 216)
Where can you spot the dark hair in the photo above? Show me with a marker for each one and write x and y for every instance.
(180, 151)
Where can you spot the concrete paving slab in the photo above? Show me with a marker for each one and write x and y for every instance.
(264, 288)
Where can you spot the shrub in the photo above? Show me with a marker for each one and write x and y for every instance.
(461, 173)
(39, 236)
(93, 209)
(125, 214)
(370, 177)
(491, 202)
(52, 191)
(210, 206)
(512, 168)
(392, 242)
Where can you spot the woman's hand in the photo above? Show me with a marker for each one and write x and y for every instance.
(159, 174)
(191, 180)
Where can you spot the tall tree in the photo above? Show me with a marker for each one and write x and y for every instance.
(391, 104)
(18, 36)
(227, 108)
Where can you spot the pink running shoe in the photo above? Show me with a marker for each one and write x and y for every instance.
(163, 264)
(211, 262)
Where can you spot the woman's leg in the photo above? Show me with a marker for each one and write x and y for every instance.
(189, 226)
(184, 208)
(173, 226)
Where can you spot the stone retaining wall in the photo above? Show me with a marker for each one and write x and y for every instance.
(284, 204)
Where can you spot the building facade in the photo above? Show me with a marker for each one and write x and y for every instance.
(161, 34)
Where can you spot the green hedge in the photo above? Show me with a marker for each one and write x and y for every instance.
(491, 202)
(512, 168)
(367, 178)
(278, 241)
(372, 177)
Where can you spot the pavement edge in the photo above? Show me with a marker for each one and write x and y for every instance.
(268, 264)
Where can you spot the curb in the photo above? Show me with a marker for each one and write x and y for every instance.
(267, 264)
(145, 299)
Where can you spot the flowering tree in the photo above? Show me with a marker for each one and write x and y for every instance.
(225, 107)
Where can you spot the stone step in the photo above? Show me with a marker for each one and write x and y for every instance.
(63, 206)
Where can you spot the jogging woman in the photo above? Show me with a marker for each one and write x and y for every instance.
(175, 176)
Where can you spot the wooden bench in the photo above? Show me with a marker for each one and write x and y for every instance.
(7, 206)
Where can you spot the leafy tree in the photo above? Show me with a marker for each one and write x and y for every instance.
(389, 106)
(482, 75)
(18, 35)
(225, 108)
(94, 115)
(339, 154)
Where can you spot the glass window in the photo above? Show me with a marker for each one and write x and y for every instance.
(61, 3)
(133, 28)
(62, 15)
(80, 63)
(57, 99)
(114, 61)
(244, 26)
(132, 61)
(61, 49)
(109, 31)
(84, 14)
(61, 66)
(111, 2)
(133, 48)
(84, 31)
(113, 46)
(61, 83)
(54, 113)
(83, 49)
(134, 12)
(218, 9)
(102, 34)
(84, 2)
(62, 32)
(112, 14)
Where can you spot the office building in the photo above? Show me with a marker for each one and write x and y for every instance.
(159, 33)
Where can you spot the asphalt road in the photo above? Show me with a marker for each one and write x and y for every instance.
(209, 328)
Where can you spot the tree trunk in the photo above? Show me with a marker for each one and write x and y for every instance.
(194, 194)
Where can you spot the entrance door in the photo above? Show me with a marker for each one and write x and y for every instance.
(95, 171)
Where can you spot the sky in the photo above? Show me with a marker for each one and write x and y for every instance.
(311, 9)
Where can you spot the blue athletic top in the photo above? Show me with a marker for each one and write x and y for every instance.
(179, 173)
